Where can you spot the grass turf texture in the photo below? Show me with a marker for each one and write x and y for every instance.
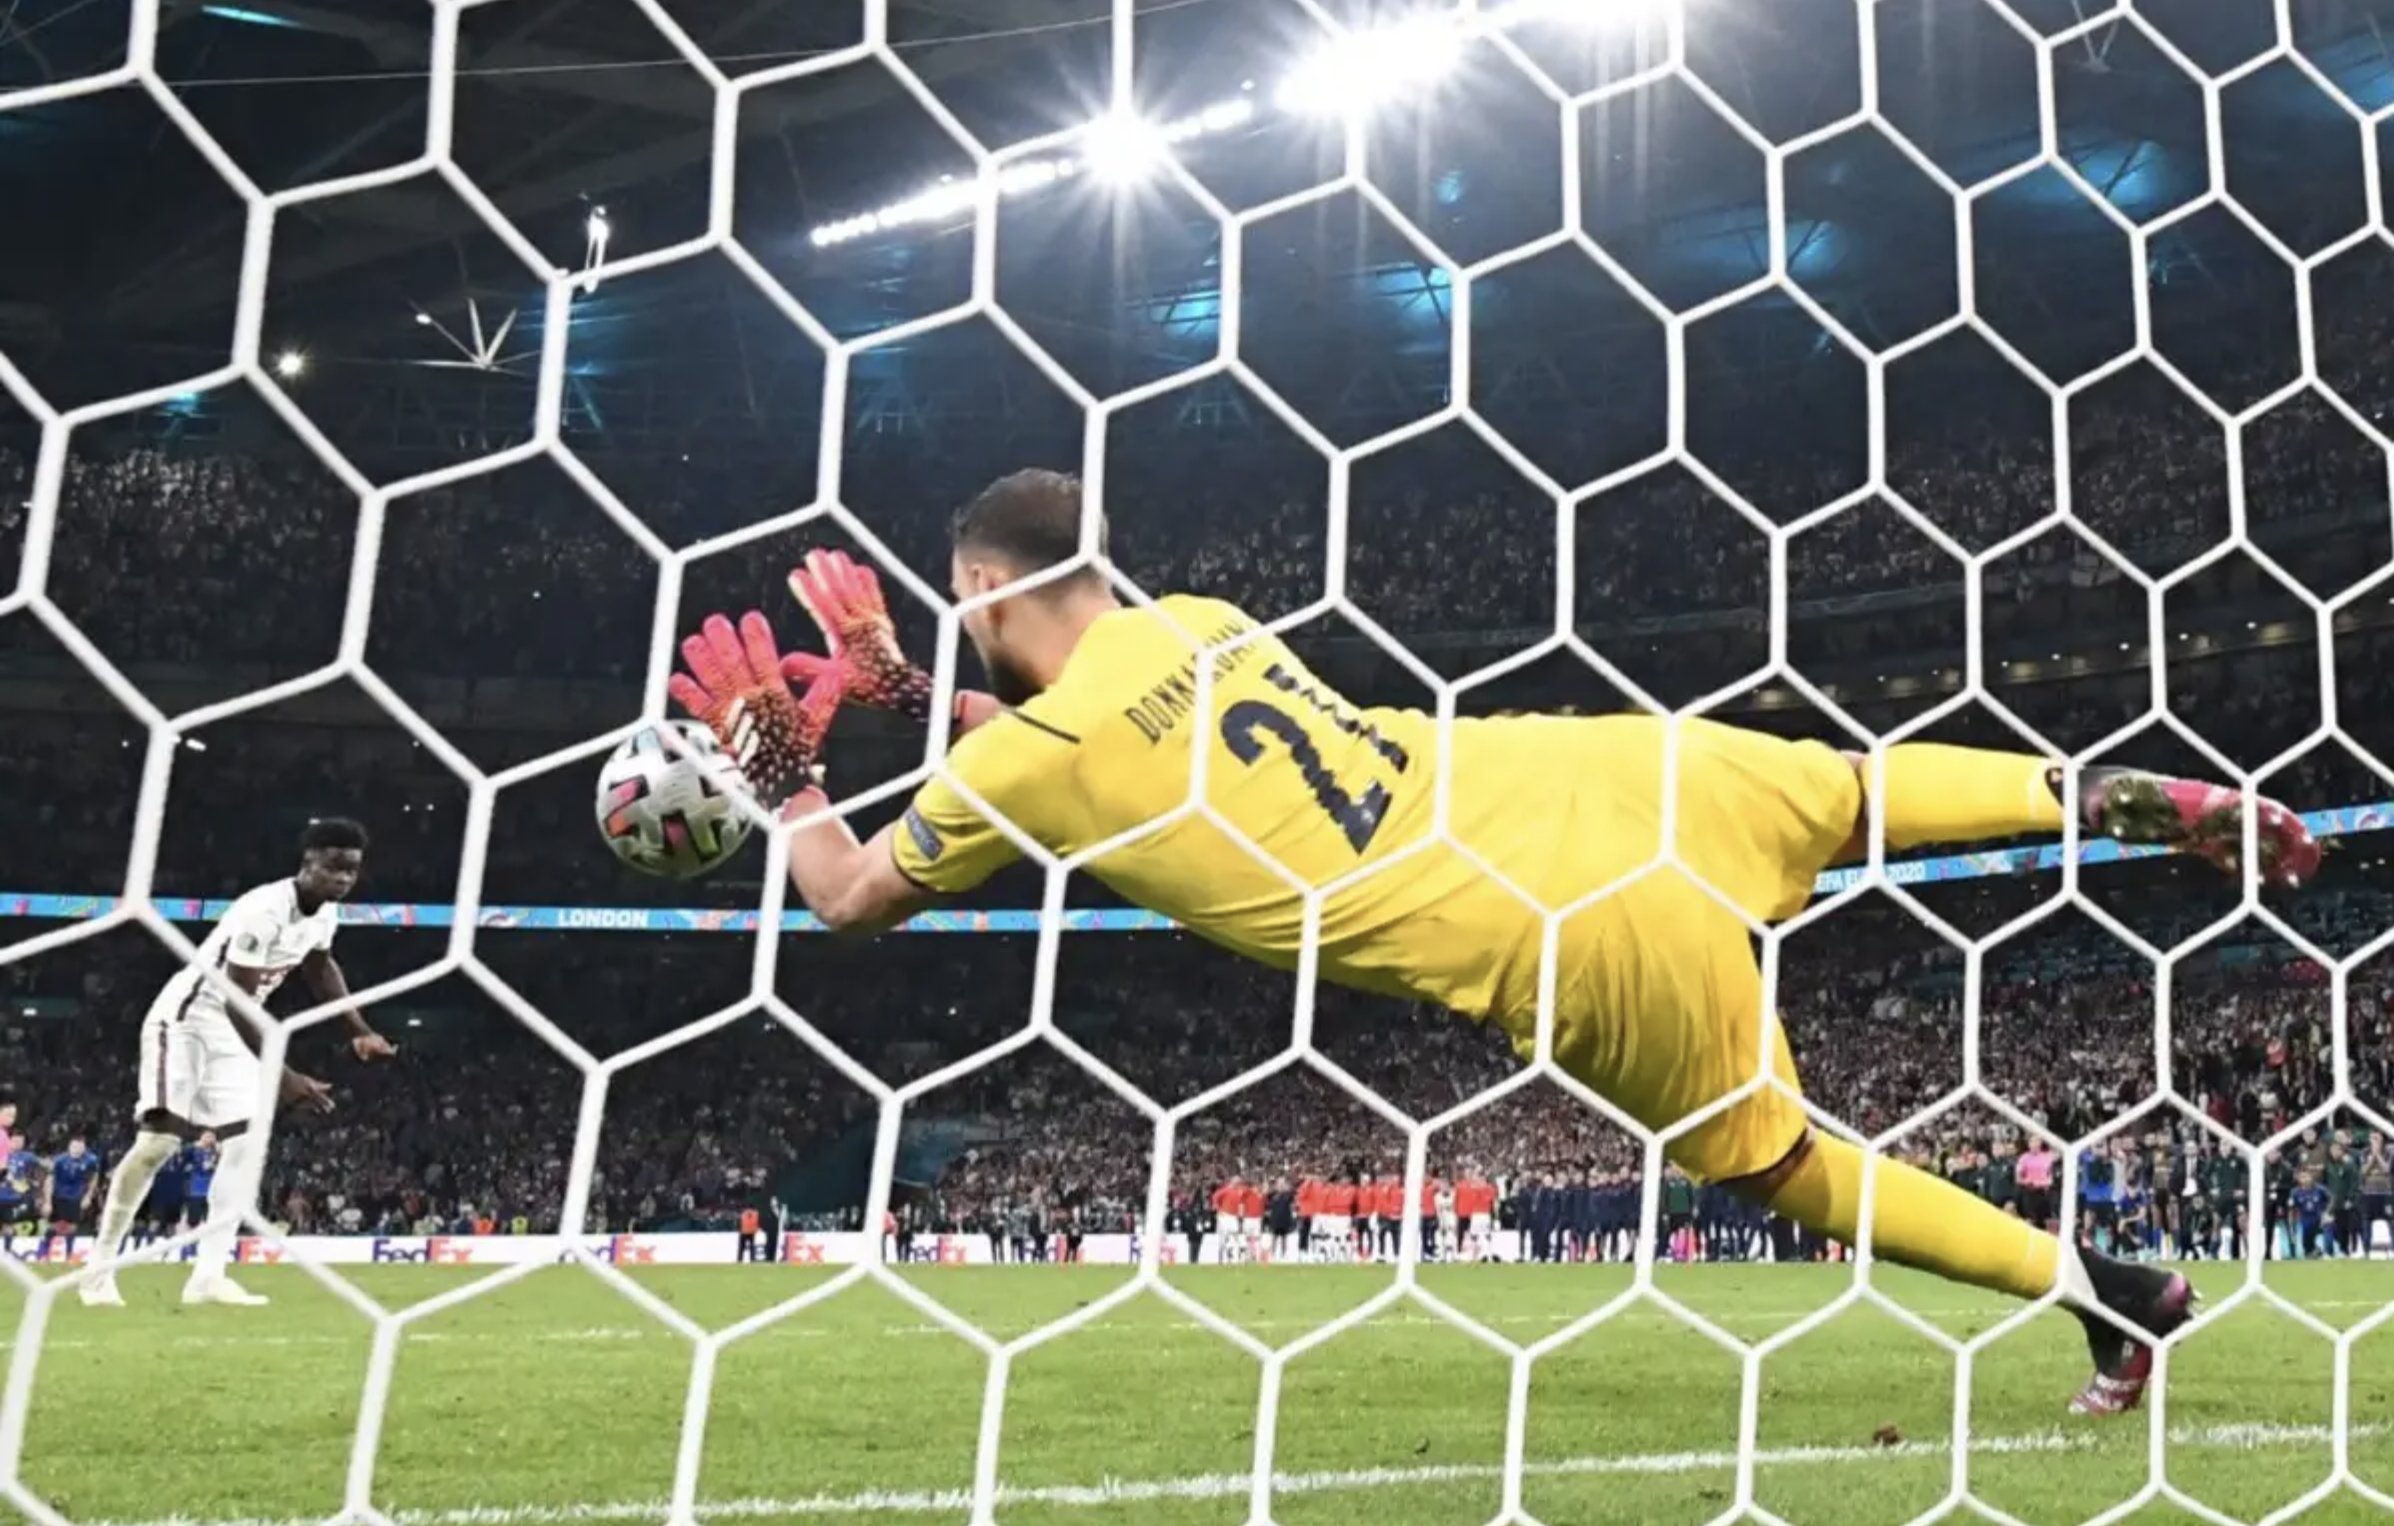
(553, 1398)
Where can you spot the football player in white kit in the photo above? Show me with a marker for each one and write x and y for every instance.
(199, 1062)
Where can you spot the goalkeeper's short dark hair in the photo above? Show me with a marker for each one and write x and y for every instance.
(332, 832)
(1031, 520)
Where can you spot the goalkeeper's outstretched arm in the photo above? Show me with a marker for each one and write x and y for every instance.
(854, 888)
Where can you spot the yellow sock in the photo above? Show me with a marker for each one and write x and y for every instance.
(1919, 1220)
(1932, 793)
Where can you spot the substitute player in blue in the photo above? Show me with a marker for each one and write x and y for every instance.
(2131, 1206)
(1620, 1211)
(72, 1173)
(199, 1176)
(2096, 1200)
(2306, 1215)
(1579, 1220)
(20, 1190)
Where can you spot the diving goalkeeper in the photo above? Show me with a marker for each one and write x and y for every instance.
(1090, 731)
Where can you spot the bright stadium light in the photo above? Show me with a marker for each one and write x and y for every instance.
(1594, 12)
(1114, 150)
(1120, 150)
(1348, 77)
(1220, 117)
(596, 232)
(951, 197)
(290, 363)
(1617, 14)
(1362, 72)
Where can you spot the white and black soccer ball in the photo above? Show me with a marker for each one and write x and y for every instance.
(670, 811)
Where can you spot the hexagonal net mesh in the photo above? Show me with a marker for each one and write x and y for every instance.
(1489, 23)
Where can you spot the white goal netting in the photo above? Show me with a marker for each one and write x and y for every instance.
(1360, 64)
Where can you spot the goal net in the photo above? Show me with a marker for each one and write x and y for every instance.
(2007, 372)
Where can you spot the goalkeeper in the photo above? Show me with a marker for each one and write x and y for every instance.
(1090, 733)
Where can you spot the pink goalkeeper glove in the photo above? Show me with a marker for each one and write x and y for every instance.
(736, 687)
(846, 603)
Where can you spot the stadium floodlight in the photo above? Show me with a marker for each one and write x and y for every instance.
(1220, 117)
(951, 197)
(594, 248)
(1114, 151)
(290, 363)
(1120, 150)
(1358, 73)
(1031, 175)
(1349, 76)
(1616, 15)
(1594, 13)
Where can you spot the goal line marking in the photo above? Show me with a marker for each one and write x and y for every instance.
(1210, 1486)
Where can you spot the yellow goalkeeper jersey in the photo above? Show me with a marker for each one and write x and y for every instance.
(1325, 795)
(1319, 788)
(1658, 1002)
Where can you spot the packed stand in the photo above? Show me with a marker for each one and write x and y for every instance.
(182, 556)
(473, 1126)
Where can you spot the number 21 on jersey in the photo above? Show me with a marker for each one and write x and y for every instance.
(1250, 725)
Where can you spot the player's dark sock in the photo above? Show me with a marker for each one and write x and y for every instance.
(2134, 1291)
(2153, 1299)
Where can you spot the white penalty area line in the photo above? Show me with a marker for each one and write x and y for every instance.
(1215, 1486)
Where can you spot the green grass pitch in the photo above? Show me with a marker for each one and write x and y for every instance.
(555, 1399)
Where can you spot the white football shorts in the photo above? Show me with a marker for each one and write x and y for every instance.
(197, 1068)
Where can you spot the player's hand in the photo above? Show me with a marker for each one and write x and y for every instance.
(372, 1046)
(846, 603)
(735, 686)
(307, 1092)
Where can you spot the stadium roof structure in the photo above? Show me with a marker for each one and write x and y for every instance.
(573, 112)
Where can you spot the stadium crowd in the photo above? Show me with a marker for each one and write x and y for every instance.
(177, 555)
(473, 1126)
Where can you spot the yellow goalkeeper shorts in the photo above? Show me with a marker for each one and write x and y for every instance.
(1660, 1006)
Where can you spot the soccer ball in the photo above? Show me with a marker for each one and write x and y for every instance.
(671, 812)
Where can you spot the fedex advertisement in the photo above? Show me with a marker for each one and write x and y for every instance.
(74, 1250)
(406, 1250)
(798, 1248)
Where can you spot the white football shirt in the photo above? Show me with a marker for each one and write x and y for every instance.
(264, 930)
